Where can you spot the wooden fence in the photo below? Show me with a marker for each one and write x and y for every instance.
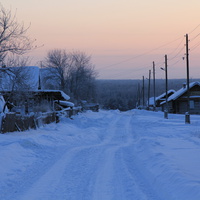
(15, 122)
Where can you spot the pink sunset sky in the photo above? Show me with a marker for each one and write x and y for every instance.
(123, 37)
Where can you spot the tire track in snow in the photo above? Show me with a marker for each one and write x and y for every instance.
(114, 180)
(142, 190)
(131, 171)
(95, 171)
(79, 174)
(48, 183)
(108, 183)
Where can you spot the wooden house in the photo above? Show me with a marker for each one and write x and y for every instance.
(27, 93)
(34, 101)
(177, 103)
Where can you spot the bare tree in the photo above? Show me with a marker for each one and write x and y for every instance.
(81, 76)
(17, 61)
(57, 65)
(73, 73)
(13, 36)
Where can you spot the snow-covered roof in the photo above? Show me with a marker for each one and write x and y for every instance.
(29, 77)
(181, 91)
(164, 94)
(56, 94)
(66, 103)
(63, 95)
(34, 73)
(151, 100)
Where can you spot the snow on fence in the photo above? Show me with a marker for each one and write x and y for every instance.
(15, 122)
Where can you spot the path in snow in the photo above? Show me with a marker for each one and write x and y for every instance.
(101, 156)
(95, 171)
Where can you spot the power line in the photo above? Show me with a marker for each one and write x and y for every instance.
(177, 47)
(177, 54)
(148, 52)
(161, 65)
(140, 68)
(108, 66)
(176, 62)
(194, 37)
(157, 48)
(194, 29)
(140, 55)
(135, 70)
(195, 46)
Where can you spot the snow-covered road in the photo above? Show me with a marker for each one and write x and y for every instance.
(103, 156)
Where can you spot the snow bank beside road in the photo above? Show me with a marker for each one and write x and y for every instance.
(107, 155)
(170, 151)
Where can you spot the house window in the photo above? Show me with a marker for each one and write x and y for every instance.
(192, 104)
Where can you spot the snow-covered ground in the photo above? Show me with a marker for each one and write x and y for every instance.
(109, 155)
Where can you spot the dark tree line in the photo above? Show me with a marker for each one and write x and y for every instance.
(124, 95)
(117, 94)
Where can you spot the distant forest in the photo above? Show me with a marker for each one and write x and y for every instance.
(124, 94)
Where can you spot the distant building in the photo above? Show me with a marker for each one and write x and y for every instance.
(177, 103)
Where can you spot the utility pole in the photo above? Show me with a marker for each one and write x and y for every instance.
(143, 91)
(166, 88)
(138, 95)
(154, 86)
(187, 114)
(149, 87)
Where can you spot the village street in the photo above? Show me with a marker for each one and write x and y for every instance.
(106, 155)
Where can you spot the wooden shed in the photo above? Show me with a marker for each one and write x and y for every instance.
(177, 103)
(34, 101)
